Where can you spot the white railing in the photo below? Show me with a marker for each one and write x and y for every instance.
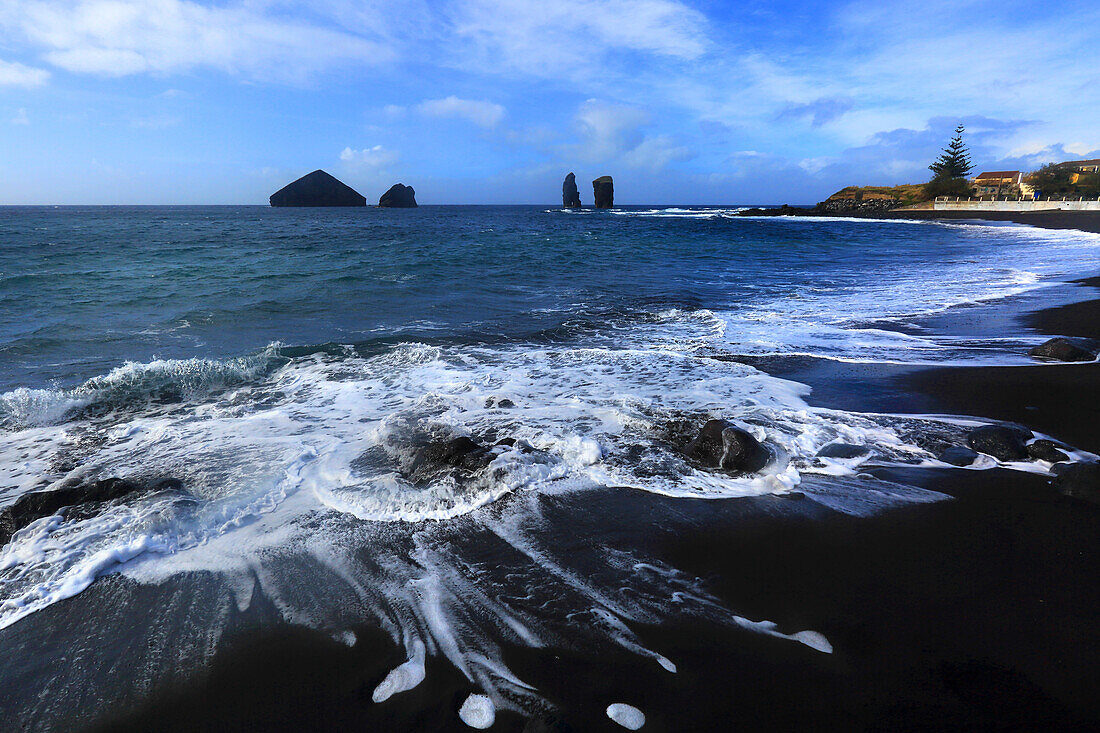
(1015, 203)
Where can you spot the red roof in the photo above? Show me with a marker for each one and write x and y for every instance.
(999, 174)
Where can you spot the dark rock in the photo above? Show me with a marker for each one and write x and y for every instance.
(1063, 349)
(603, 191)
(37, 504)
(317, 189)
(1079, 480)
(956, 455)
(570, 196)
(398, 197)
(1046, 450)
(522, 445)
(843, 450)
(784, 210)
(721, 444)
(853, 205)
(1003, 442)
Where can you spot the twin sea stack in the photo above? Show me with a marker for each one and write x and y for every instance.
(603, 191)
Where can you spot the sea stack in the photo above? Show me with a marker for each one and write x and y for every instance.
(570, 196)
(398, 197)
(603, 189)
(317, 189)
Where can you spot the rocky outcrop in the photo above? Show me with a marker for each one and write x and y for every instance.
(844, 451)
(570, 196)
(721, 444)
(956, 455)
(1063, 349)
(848, 206)
(603, 190)
(1046, 450)
(37, 504)
(317, 189)
(398, 197)
(1003, 442)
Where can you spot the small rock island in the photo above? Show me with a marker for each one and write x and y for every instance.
(317, 189)
(398, 197)
(570, 196)
(603, 189)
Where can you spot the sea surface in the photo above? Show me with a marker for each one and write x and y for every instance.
(286, 367)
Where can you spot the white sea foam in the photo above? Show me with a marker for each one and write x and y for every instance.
(625, 715)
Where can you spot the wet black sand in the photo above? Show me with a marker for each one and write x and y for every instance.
(980, 613)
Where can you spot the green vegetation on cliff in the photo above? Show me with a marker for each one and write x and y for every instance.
(906, 194)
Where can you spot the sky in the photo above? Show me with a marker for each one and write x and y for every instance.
(494, 101)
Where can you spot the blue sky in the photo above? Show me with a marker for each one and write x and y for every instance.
(494, 101)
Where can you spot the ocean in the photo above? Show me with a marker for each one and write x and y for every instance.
(270, 378)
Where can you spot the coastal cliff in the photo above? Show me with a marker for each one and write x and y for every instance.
(317, 189)
(398, 197)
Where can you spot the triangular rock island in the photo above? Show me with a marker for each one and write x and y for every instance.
(317, 189)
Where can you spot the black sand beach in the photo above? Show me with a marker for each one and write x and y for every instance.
(979, 613)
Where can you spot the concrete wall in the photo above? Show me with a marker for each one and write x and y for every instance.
(949, 203)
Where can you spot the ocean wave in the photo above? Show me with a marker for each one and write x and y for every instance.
(135, 384)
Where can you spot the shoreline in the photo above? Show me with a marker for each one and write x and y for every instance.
(978, 612)
(1085, 221)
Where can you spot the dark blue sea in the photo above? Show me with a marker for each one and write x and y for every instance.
(283, 370)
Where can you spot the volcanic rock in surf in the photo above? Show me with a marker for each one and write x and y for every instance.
(37, 504)
(1063, 349)
(721, 444)
(570, 196)
(462, 452)
(603, 190)
(317, 189)
(843, 450)
(1003, 442)
(1045, 450)
(956, 455)
(398, 197)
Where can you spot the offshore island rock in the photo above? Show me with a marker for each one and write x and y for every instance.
(317, 189)
(398, 197)
(603, 189)
(570, 196)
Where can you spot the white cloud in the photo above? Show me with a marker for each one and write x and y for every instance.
(570, 39)
(393, 111)
(479, 112)
(377, 157)
(17, 75)
(21, 117)
(655, 153)
(615, 133)
(119, 38)
(609, 130)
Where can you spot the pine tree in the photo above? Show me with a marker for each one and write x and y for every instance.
(954, 162)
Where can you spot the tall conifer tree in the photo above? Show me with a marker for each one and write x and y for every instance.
(954, 162)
